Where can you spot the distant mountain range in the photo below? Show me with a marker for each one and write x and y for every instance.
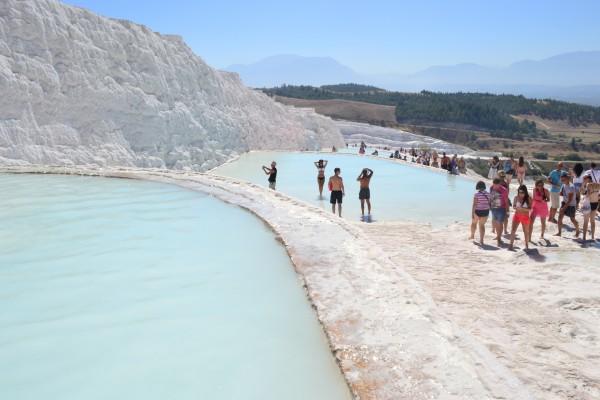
(571, 76)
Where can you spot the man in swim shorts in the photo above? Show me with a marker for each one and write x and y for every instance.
(569, 203)
(365, 193)
(336, 185)
(554, 181)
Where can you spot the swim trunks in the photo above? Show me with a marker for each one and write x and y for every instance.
(570, 211)
(336, 197)
(364, 194)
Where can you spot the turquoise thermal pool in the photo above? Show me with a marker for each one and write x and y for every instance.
(126, 289)
(398, 191)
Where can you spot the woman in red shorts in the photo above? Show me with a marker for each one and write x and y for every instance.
(522, 206)
(541, 197)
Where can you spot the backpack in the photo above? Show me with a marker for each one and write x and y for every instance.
(495, 199)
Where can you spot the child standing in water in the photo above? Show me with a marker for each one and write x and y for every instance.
(336, 185)
(480, 211)
(522, 206)
(321, 165)
(365, 193)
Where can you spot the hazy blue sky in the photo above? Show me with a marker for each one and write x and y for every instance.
(370, 36)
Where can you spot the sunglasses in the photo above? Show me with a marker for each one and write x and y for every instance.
(521, 192)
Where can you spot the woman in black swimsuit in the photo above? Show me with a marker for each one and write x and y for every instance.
(321, 164)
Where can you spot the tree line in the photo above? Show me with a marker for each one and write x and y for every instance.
(489, 112)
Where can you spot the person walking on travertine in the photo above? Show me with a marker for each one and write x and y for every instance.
(336, 185)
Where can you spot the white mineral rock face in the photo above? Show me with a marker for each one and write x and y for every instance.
(77, 88)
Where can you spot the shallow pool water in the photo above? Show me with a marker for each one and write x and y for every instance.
(121, 289)
(398, 191)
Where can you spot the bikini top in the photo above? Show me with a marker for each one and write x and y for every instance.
(521, 204)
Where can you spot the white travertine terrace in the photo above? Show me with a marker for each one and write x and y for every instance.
(80, 89)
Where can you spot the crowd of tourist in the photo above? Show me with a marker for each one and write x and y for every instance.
(572, 191)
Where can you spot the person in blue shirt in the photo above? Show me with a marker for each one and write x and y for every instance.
(555, 186)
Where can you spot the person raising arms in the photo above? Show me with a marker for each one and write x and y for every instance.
(321, 165)
(272, 172)
(365, 193)
(336, 185)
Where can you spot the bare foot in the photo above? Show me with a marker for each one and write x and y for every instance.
(577, 233)
(557, 234)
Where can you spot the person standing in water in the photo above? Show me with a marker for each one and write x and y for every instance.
(480, 211)
(539, 207)
(272, 172)
(522, 206)
(365, 193)
(321, 165)
(336, 185)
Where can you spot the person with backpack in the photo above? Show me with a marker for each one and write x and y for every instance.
(480, 211)
(499, 207)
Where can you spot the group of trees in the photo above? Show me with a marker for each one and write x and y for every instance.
(489, 112)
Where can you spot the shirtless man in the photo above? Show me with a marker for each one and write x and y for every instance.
(336, 185)
(365, 193)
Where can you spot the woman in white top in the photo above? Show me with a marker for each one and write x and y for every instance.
(522, 206)
(589, 204)
(494, 165)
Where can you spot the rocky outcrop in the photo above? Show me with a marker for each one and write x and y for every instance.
(78, 88)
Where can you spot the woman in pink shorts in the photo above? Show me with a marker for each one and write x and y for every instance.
(539, 208)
